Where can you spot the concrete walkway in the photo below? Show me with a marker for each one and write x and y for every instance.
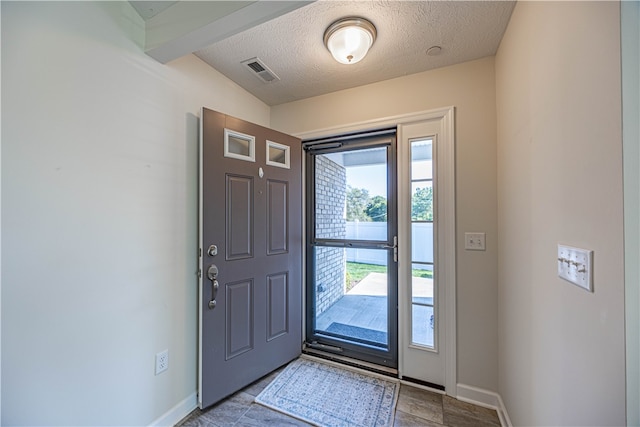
(365, 306)
(376, 284)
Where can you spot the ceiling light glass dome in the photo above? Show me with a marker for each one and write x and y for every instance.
(349, 39)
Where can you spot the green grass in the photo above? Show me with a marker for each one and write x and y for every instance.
(357, 271)
(422, 273)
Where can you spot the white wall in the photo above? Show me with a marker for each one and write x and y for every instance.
(561, 351)
(99, 215)
(470, 87)
(630, 23)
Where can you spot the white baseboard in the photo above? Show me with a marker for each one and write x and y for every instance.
(502, 413)
(485, 398)
(177, 413)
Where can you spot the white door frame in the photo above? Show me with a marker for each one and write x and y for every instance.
(446, 222)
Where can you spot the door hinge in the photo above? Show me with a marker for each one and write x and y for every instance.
(199, 274)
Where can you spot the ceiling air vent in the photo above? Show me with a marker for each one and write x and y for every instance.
(260, 70)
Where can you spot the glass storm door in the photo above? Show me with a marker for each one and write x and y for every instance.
(352, 247)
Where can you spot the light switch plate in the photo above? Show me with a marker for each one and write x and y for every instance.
(474, 241)
(575, 265)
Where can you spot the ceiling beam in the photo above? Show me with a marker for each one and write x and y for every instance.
(188, 26)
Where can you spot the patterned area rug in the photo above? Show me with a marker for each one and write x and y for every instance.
(329, 396)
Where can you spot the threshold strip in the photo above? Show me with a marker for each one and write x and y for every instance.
(378, 369)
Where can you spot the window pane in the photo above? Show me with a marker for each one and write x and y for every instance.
(239, 146)
(330, 277)
(277, 155)
(331, 181)
(351, 195)
(351, 294)
(422, 322)
(422, 242)
(422, 302)
(421, 159)
(422, 201)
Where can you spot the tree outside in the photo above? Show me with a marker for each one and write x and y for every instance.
(362, 207)
(377, 209)
(422, 204)
(357, 199)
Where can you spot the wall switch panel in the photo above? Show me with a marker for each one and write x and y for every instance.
(474, 241)
(576, 266)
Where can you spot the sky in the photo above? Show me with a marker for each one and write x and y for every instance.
(374, 177)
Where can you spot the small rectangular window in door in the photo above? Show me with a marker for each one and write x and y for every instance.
(278, 155)
(239, 146)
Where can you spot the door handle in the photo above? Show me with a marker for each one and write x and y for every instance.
(212, 274)
(394, 247)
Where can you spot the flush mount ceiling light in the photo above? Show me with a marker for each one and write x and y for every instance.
(349, 39)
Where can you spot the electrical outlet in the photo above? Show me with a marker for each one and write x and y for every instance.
(162, 361)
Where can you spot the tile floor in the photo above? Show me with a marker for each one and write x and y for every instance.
(415, 408)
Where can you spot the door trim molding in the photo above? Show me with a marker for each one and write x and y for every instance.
(200, 246)
(383, 122)
(446, 115)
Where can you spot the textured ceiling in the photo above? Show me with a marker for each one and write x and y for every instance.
(292, 46)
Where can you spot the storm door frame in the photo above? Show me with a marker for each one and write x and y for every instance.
(386, 359)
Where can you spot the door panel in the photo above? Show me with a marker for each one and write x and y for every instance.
(277, 220)
(239, 204)
(278, 307)
(251, 211)
(239, 325)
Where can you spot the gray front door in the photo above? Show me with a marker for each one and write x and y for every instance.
(250, 303)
